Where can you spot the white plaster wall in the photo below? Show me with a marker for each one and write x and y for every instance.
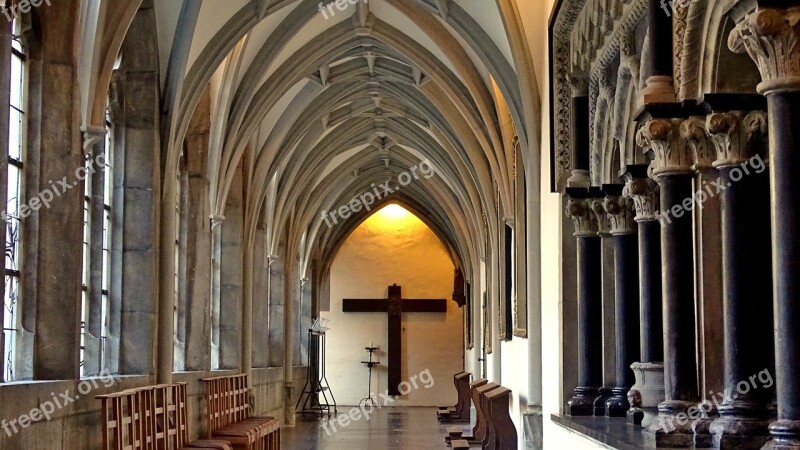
(377, 254)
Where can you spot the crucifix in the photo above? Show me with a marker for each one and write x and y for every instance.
(395, 306)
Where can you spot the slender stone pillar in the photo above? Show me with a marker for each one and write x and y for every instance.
(659, 65)
(607, 313)
(672, 170)
(580, 132)
(746, 271)
(770, 36)
(590, 346)
(626, 299)
(94, 147)
(5, 98)
(648, 391)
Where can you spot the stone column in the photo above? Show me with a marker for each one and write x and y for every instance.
(607, 308)
(580, 131)
(770, 36)
(659, 64)
(94, 147)
(626, 298)
(649, 387)
(590, 345)
(672, 169)
(747, 277)
(5, 99)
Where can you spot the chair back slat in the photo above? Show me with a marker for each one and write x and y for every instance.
(228, 400)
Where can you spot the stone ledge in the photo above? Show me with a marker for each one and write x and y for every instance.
(614, 432)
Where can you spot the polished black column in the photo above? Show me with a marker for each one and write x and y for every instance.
(747, 279)
(590, 342)
(672, 170)
(658, 67)
(579, 84)
(766, 35)
(626, 299)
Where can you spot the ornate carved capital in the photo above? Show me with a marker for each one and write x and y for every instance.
(645, 195)
(736, 135)
(580, 85)
(771, 37)
(597, 206)
(582, 216)
(620, 214)
(693, 131)
(663, 137)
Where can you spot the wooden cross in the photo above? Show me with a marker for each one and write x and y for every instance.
(395, 305)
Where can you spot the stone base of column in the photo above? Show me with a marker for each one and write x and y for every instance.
(600, 403)
(785, 435)
(701, 428)
(672, 428)
(288, 405)
(659, 89)
(737, 428)
(618, 405)
(582, 403)
(645, 395)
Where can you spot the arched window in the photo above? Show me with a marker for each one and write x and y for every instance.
(16, 158)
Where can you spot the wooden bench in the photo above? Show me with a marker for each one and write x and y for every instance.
(150, 418)
(479, 430)
(230, 415)
(502, 434)
(461, 411)
(460, 444)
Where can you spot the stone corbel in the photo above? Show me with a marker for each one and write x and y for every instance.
(770, 36)
(737, 136)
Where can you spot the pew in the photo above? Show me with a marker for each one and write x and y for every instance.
(479, 429)
(502, 434)
(460, 412)
(150, 418)
(230, 417)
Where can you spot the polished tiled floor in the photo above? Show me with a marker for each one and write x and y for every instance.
(388, 428)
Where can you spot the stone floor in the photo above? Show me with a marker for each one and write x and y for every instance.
(388, 428)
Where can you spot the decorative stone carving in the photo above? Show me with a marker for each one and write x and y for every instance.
(693, 131)
(771, 37)
(582, 216)
(598, 209)
(579, 83)
(736, 136)
(645, 195)
(663, 137)
(620, 212)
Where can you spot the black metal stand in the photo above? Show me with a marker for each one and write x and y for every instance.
(369, 399)
(316, 383)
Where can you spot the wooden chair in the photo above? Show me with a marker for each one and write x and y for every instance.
(150, 418)
(230, 417)
(479, 430)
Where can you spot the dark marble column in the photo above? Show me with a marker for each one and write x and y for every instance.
(747, 278)
(626, 300)
(580, 131)
(590, 344)
(769, 36)
(606, 296)
(659, 62)
(648, 391)
(672, 170)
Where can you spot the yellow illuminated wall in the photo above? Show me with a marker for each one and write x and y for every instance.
(393, 246)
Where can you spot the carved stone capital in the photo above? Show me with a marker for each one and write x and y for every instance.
(771, 37)
(645, 195)
(582, 216)
(579, 83)
(671, 154)
(598, 208)
(92, 135)
(736, 135)
(620, 212)
(693, 131)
